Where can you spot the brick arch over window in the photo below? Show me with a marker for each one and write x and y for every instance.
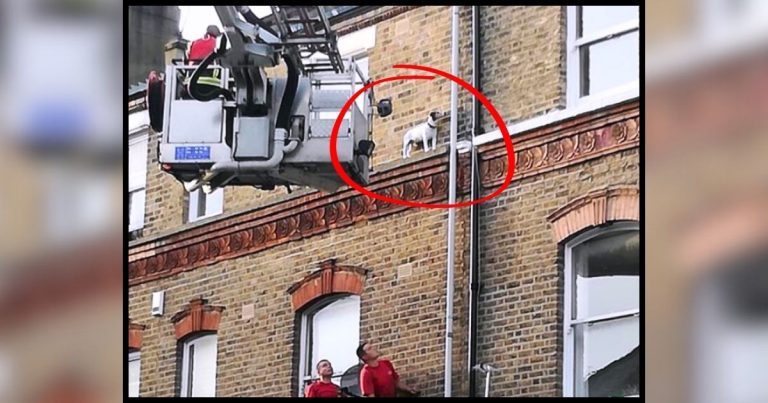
(595, 208)
(198, 316)
(330, 278)
(135, 335)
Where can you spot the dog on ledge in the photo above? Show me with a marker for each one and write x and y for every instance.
(423, 133)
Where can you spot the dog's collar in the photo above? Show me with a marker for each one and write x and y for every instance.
(431, 125)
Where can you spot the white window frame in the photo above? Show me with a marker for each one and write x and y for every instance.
(139, 136)
(134, 356)
(573, 61)
(187, 381)
(192, 205)
(305, 343)
(568, 334)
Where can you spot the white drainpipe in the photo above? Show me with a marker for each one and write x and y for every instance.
(451, 200)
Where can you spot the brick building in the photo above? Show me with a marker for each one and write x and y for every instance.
(258, 286)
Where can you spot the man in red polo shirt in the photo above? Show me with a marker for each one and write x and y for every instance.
(323, 387)
(200, 49)
(378, 377)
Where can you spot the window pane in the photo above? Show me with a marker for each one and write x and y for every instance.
(137, 209)
(608, 353)
(193, 205)
(137, 164)
(598, 18)
(202, 205)
(610, 63)
(607, 270)
(214, 203)
(204, 370)
(202, 362)
(134, 370)
(336, 334)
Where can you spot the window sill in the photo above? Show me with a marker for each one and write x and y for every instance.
(202, 218)
(584, 105)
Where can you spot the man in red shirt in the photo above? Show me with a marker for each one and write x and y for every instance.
(200, 49)
(323, 387)
(378, 377)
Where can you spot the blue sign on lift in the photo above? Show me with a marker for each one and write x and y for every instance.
(193, 153)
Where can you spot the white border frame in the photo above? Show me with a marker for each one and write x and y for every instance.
(568, 337)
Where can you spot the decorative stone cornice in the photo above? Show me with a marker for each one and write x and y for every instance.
(568, 143)
(426, 181)
(328, 279)
(198, 316)
(595, 208)
(316, 213)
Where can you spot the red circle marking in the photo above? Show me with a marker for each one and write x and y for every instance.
(496, 117)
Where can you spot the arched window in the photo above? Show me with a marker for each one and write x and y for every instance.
(195, 327)
(601, 312)
(330, 329)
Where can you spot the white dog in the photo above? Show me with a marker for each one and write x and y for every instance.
(422, 133)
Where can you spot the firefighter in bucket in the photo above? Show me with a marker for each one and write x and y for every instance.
(199, 50)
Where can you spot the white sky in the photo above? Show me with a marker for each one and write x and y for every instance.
(195, 19)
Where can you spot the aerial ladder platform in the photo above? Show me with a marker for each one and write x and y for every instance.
(249, 129)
